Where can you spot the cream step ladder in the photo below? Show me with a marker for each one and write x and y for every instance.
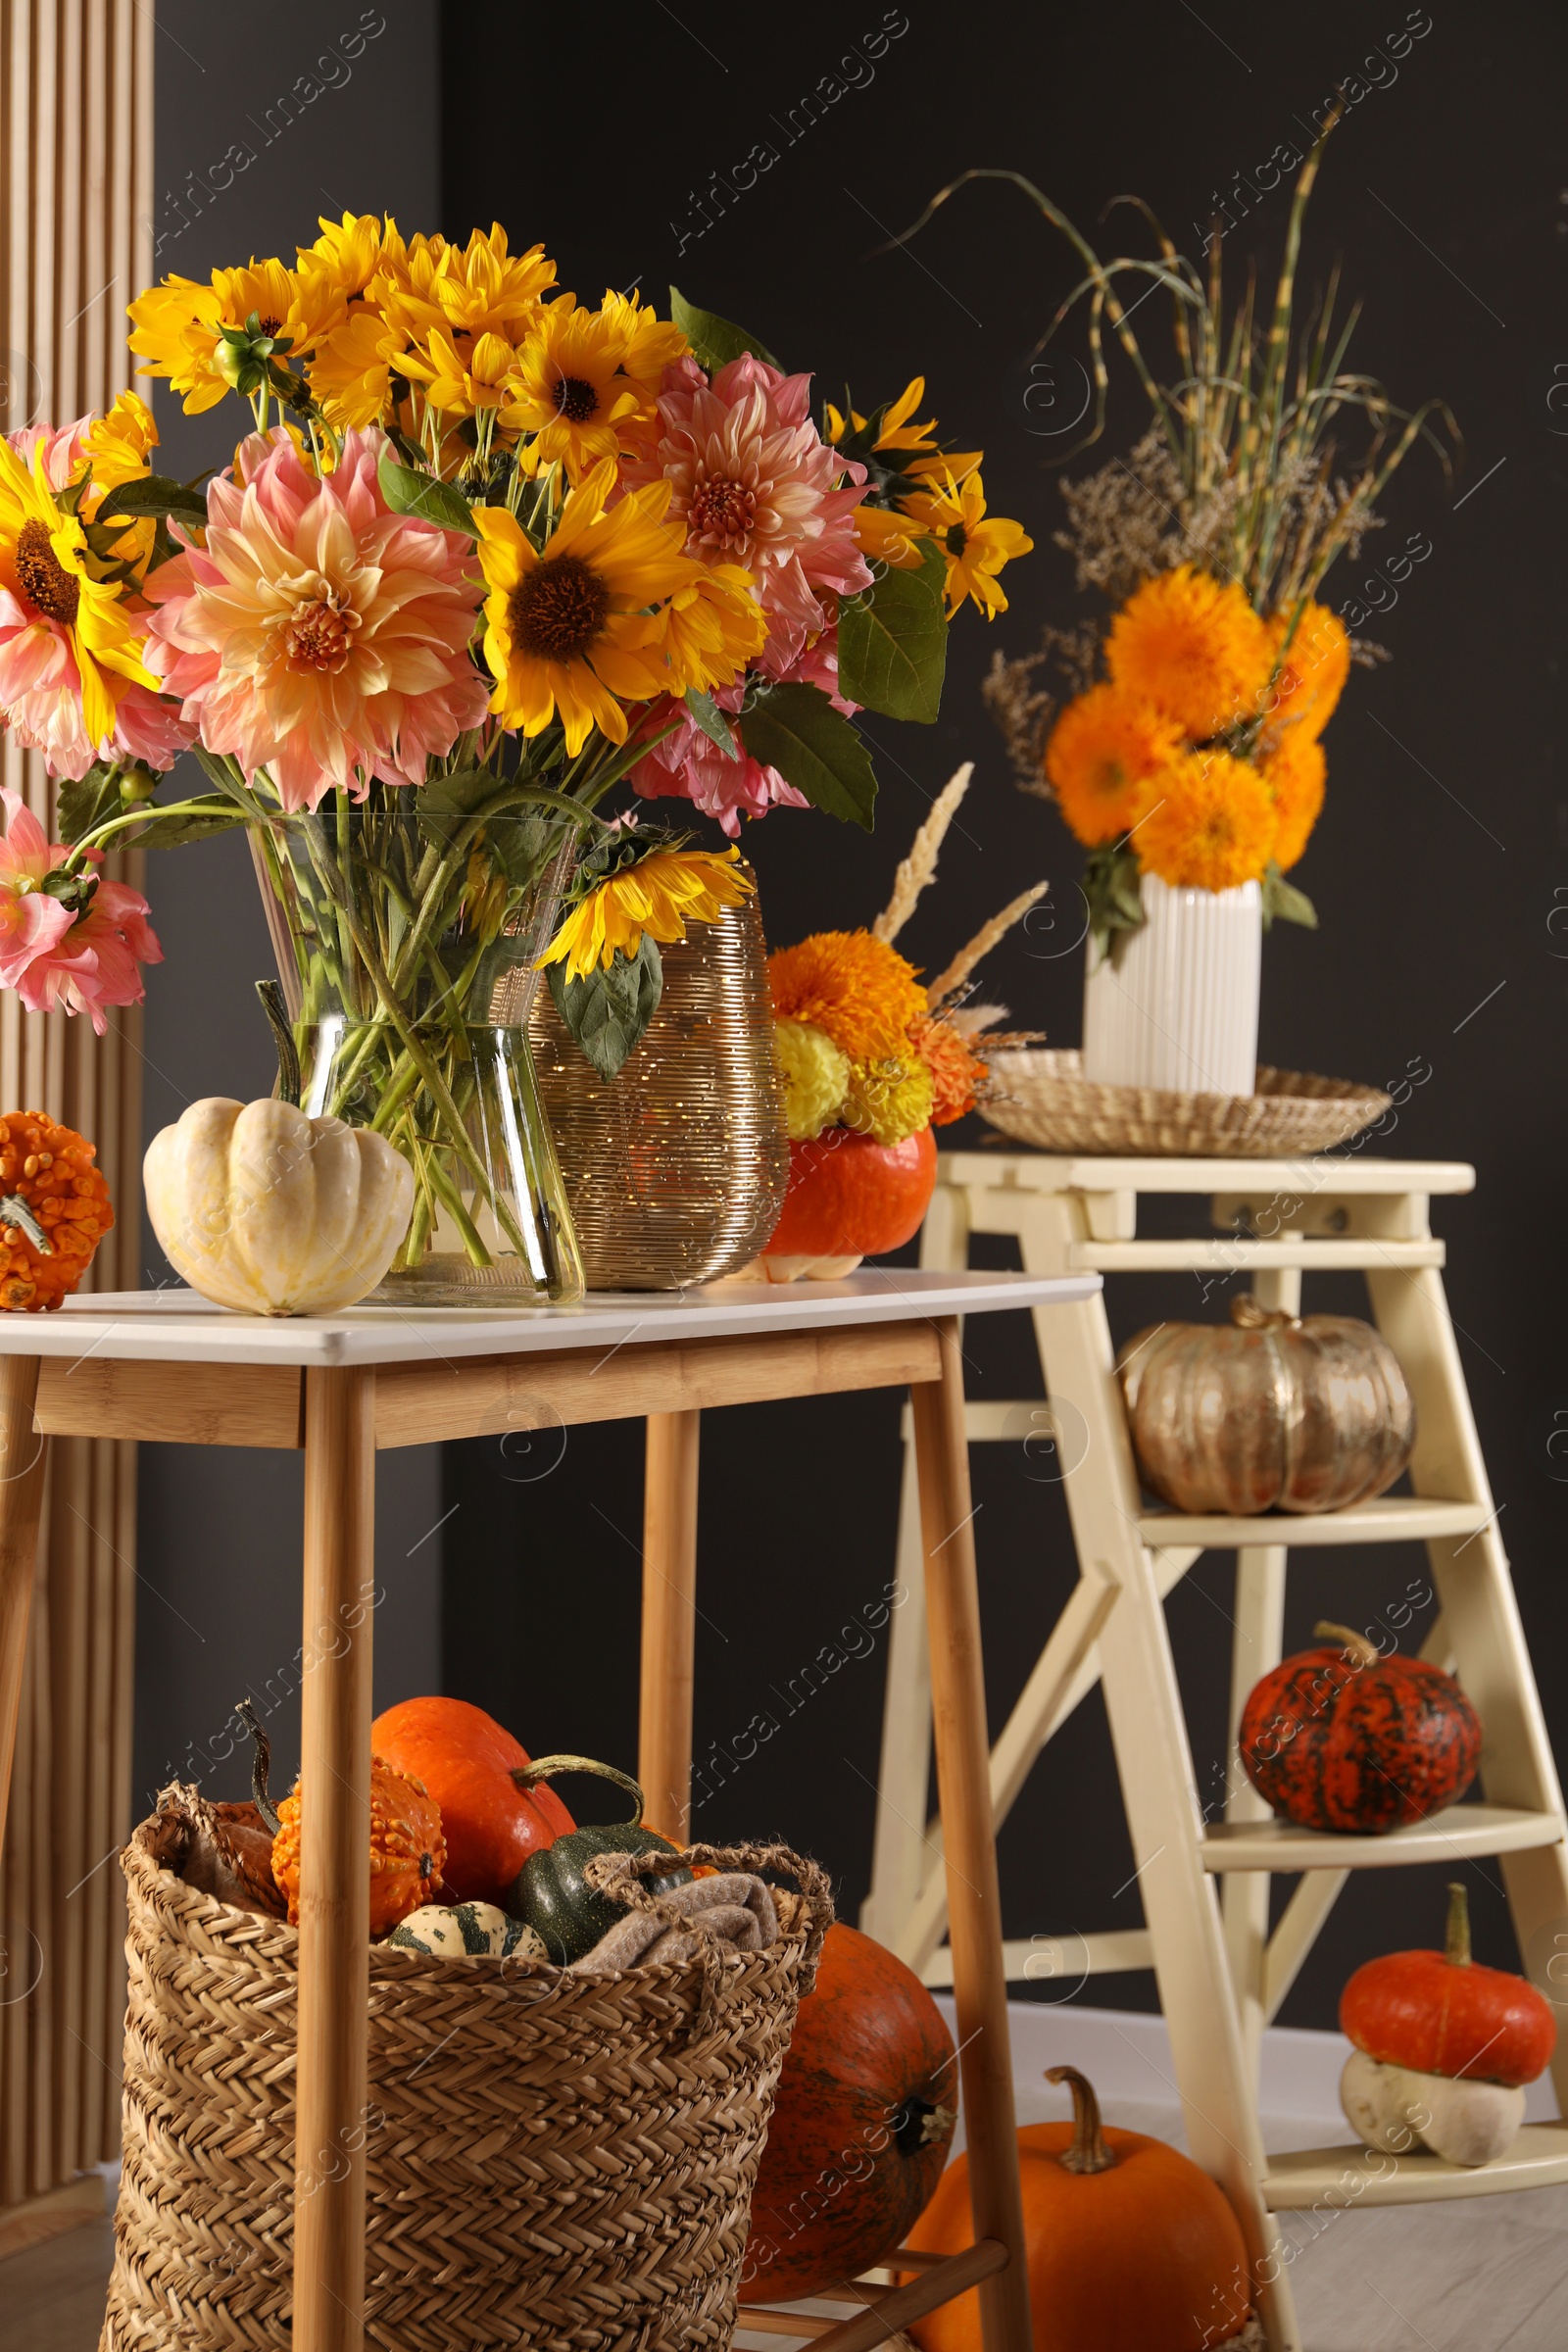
(1221, 1976)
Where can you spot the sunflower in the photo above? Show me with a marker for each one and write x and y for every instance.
(44, 562)
(572, 388)
(461, 377)
(1212, 824)
(919, 453)
(178, 327)
(659, 895)
(816, 1078)
(350, 254)
(1293, 771)
(570, 630)
(653, 344)
(471, 290)
(1193, 646)
(712, 627)
(954, 515)
(862, 992)
(117, 446)
(1312, 669)
(886, 535)
(350, 373)
(1103, 751)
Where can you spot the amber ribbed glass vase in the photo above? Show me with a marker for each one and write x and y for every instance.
(675, 1170)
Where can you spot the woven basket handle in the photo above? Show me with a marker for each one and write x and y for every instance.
(621, 1877)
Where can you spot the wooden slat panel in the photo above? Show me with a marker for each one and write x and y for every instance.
(75, 201)
(176, 1405)
(422, 1403)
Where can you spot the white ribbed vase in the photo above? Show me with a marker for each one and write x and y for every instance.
(1177, 1007)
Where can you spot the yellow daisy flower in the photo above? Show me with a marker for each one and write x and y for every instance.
(44, 561)
(977, 547)
(659, 895)
(569, 630)
(572, 388)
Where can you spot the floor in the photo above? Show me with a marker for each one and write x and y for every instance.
(1490, 2275)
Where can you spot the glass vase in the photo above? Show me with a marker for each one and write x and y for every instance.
(424, 1038)
(676, 1168)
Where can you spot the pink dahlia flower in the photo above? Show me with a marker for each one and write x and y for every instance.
(54, 960)
(319, 635)
(689, 765)
(755, 483)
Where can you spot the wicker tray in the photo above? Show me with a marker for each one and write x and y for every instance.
(1044, 1102)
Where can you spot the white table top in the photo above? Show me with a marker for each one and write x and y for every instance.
(175, 1326)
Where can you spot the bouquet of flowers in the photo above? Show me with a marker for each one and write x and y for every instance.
(486, 554)
(1197, 756)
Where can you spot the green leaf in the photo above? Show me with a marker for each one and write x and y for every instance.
(797, 730)
(157, 494)
(714, 341)
(713, 722)
(893, 643)
(409, 492)
(608, 1011)
(1283, 902)
(1113, 892)
(183, 824)
(80, 806)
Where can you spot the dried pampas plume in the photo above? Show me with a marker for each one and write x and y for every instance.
(920, 867)
(948, 983)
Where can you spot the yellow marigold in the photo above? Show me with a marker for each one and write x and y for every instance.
(816, 1078)
(863, 994)
(887, 1101)
(1192, 646)
(1293, 772)
(1103, 751)
(659, 895)
(955, 1073)
(1312, 672)
(1210, 822)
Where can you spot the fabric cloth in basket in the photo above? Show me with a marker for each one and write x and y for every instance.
(556, 2160)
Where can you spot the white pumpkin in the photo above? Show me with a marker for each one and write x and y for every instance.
(467, 1929)
(1397, 2110)
(261, 1208)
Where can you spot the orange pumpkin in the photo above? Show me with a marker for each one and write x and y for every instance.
(1130, 2247)
(54, 1209)
(866, 2105)
(407, 1848)
(849, 1197)
(469, 1764)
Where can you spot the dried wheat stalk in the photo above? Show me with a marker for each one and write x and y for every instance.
(984, 939)
(920, 865)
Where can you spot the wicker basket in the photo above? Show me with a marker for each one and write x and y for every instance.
(1045, 1102)
(558, 2161)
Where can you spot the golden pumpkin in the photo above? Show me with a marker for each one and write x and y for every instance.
(1272, 1411)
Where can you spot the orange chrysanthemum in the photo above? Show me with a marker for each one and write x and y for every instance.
(1212, 823)
(955, 1073)
(1103, 751)
(1293, 772)
(1313, 674)
(1192, 646)
(861, 993)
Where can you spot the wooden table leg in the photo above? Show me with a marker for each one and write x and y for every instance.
(23, 1461)
(329, 2161)
(963, 1786)
(669, 1617)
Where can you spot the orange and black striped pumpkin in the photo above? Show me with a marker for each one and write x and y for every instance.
(1343, 1739)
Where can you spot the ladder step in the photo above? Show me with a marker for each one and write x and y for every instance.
(1462, 1830)
(1058, 1959)
(1392, 1519)
(1231, 1255)
(1356, 2176)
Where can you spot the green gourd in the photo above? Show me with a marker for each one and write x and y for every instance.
(549, 1891)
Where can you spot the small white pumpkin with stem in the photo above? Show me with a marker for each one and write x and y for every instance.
(270, 1212)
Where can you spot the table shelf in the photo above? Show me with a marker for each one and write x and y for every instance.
(1392, 1519)
(1357, 2176)
(1453, 1836)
